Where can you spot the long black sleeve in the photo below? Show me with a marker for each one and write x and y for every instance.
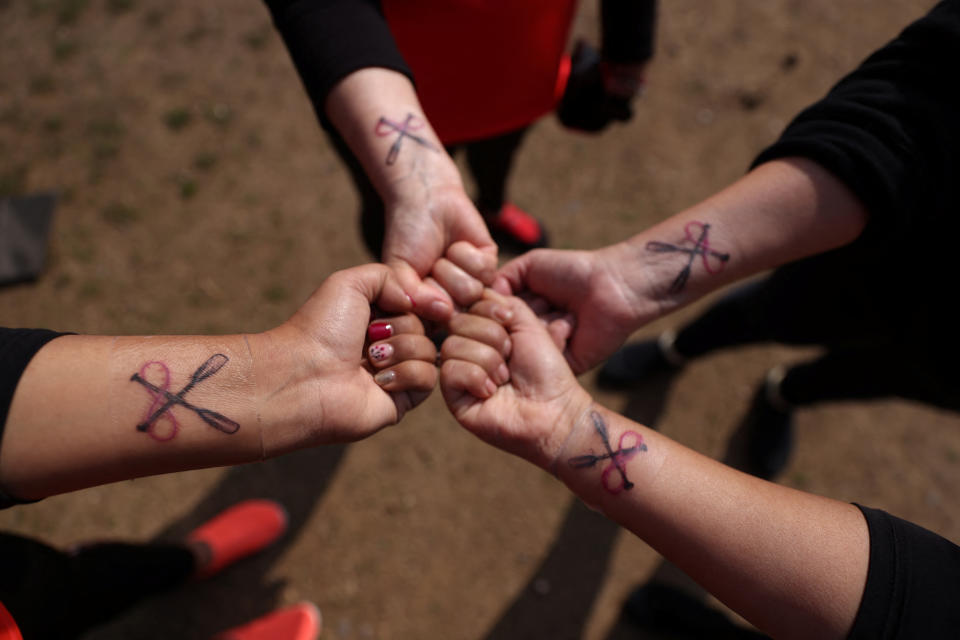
(913, 583)
(17, 348)
(891, 129)
(628, 29)
(329, 39)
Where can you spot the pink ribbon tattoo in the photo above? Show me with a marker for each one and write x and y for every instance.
(163, 401)
(387, 127)
(631, 443)
(699, 234)
(156, 393)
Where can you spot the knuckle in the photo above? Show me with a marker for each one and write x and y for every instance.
(450, 347)
(472, 289)
(477, 377)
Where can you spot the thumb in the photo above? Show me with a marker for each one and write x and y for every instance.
(428, 302)
(511, 278)
(520, 318)
(381, 286)
(537, 366)
(561, 326)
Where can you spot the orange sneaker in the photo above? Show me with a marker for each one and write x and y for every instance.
(515, 229)
(240, 531)
(298, 622)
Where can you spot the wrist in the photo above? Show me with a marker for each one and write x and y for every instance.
(377, 113)
(433, 172)
(607, 457)
(283, 378)
(627, 267)
(561, 430)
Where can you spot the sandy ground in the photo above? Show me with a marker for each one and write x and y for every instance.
(199, 195)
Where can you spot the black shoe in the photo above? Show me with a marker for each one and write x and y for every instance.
(639, 361)
(762, 444)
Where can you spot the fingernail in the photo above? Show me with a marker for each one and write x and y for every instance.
(503, 374)
(490, 387)
(502, 314)
(410, 300)
(379, 352)
(439, 308)
(380, 331)
(385, 377)
(507, 347)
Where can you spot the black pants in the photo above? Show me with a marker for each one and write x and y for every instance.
(845, 301)
(489, 160)
(55, 595)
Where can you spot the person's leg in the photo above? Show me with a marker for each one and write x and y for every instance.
(490, 162)
(830, 299)
(371, 205)
(96, 582)
(52, 594)
(749, 314)
(109, 578)
(762, 443)
(884, 371)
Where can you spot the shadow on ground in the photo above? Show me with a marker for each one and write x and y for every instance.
(670, 605)
(246, 590)
(559, 599)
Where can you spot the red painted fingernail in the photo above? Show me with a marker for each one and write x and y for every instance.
(379, 331)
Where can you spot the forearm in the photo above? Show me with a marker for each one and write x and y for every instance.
(780, 212)
(792, 563)
(90, 410)
(380, 118)
(330, 39)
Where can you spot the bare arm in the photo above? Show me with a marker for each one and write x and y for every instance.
(779, 212)
(90, 409)
(792, 563)
(377, 113)
(359, 82)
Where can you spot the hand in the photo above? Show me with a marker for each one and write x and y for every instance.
(426, 209)
(591, 287)
(527, 408)
(421, 229)
(326, 390)
(440, 233)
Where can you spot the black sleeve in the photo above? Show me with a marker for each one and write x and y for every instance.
(329, 39)
(628, 29)
(891, 129)
(17, 348)
(913, 583)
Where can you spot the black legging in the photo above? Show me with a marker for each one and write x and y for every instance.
(489, 160)
(55, 595)
(877, 341)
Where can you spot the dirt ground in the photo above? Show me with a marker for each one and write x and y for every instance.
(199, 195)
